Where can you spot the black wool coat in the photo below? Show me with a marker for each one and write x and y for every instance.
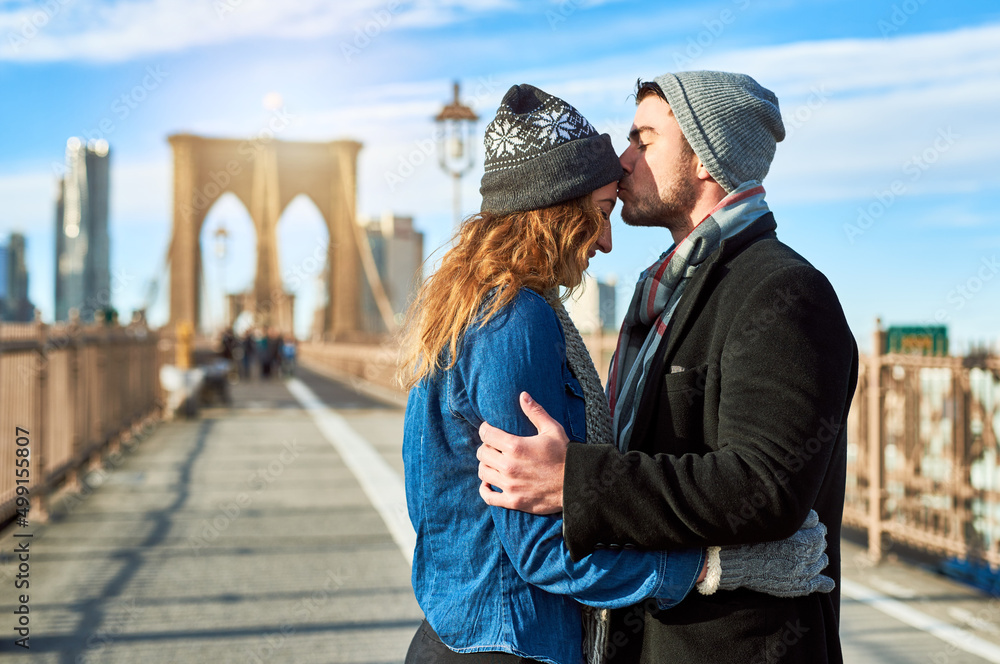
(740, 431)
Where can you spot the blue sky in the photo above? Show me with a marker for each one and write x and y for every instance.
(884, 181)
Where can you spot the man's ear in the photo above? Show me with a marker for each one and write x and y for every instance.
(702, 173)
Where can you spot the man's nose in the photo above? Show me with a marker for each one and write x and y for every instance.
(626, 159)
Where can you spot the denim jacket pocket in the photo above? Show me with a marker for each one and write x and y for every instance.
(576, 408)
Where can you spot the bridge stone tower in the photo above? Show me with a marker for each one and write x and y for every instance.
(266, 176)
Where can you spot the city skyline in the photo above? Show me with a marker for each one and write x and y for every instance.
(883, 182)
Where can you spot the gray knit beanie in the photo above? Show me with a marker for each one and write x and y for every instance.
(730, 120)
(540, 151)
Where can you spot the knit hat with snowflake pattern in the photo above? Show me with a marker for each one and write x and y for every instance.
(540, 151)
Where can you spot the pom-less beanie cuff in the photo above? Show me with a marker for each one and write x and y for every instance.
(730, 120)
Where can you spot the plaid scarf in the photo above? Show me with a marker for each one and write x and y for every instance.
(656, 296)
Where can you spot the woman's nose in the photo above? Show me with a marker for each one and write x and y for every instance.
(604, 241)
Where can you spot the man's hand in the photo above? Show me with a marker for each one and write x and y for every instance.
(528, 470)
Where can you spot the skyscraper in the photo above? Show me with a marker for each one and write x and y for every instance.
(14, 303)
(4, 278)
(83, 267)
(592, 307)
(398, 251)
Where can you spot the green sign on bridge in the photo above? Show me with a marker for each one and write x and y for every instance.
(917, 340)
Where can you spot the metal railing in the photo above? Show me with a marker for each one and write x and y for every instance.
(67, 393)
(923, 465)
(373, 362)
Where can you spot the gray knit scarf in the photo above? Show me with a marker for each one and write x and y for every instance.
(582, 367)
(596, 622)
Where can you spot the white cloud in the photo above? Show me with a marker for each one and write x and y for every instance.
(861, 114)
(955, 216)
(124, 29)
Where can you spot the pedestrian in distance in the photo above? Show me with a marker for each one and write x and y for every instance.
(249, 346)
(265, 353)
(288, 352)
(276, 349)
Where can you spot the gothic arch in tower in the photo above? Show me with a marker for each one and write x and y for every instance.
(266, 175)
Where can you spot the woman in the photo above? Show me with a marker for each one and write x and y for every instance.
(498, 585)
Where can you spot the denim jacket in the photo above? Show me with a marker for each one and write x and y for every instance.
(491, 579)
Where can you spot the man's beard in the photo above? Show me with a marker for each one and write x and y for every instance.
(672, 210)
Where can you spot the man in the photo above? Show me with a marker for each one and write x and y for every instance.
(730, 388)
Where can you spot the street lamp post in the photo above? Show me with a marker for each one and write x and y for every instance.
(221, 236)
(455, 124)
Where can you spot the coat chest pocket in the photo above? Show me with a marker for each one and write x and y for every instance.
(682, 406)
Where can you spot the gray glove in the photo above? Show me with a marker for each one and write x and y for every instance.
(787, 568)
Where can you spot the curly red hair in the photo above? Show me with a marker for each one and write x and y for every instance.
(537, 249)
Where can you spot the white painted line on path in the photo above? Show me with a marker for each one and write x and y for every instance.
(956, 636)
(891, 589)
(384, 488)
(972, 620)
(381, 483)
